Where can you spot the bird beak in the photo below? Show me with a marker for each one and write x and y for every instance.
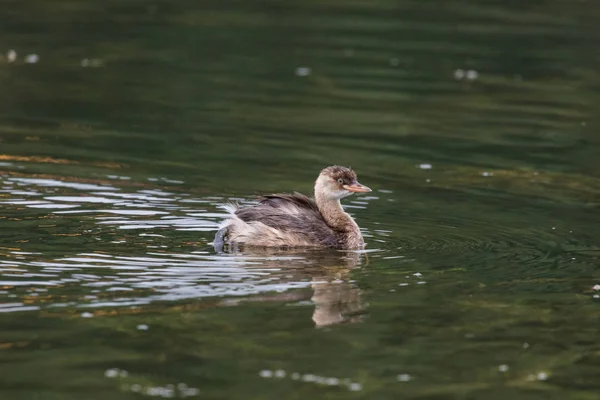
(356, 188)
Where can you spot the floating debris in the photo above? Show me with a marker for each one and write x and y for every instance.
(11, 56)
(116, 373)
(425, 166)
(459, 74)
(320, 380)
(32, 59)
(303, 71)
(280, 373)
(91, 62)
(142, 327)
(469, 75)
(265, 373)
(87, 315)
(540, 376)
(404, 378)
(472, 75)
(503, 368)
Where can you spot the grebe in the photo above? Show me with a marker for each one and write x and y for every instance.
(295, 220)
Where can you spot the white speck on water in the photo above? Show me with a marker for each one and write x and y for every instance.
(485, 173)
(190, 392)
(472, 75)
(86, 315)
(265, 373)
(596, 287)
(303, 71)
(542, 376)
(280, 373)
(404, 377)
(142, 327)
(553, 228)
(428, 180)
(111, 372)
(525, 345)
(403, 284)
(417, 274)
(317, 379)
(503, 368)
(596, 296)
(160, 391)
(11, 56)
(91, 62)
(425, 166)
(332, 381)
(32, 59)
(421, 283)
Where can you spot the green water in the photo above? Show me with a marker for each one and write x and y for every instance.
(124, 126)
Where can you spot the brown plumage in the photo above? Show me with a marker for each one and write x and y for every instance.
(294, 220)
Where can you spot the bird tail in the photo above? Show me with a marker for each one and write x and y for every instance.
(220, 239)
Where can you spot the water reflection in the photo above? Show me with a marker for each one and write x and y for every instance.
(335, 296)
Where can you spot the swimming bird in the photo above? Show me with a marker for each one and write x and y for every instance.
(295, 220)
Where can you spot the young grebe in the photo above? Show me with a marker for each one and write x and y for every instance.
(293, 220)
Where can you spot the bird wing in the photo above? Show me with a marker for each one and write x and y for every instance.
(294, 213)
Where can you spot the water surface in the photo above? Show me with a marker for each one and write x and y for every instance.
(125, 126)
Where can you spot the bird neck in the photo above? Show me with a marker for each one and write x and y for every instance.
(334, 214)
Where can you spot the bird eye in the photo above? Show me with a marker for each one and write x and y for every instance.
(340, 181)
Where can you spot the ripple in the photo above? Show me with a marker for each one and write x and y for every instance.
(93, 272)
(54, 183)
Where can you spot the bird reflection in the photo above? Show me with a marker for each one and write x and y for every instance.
(335, 297)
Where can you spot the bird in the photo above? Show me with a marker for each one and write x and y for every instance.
(295, 220)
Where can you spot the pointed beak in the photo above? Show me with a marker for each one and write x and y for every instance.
(357, 188)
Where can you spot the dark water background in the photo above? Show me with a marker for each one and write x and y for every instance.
(124, 124)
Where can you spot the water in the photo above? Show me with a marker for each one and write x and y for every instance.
(124, 127)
